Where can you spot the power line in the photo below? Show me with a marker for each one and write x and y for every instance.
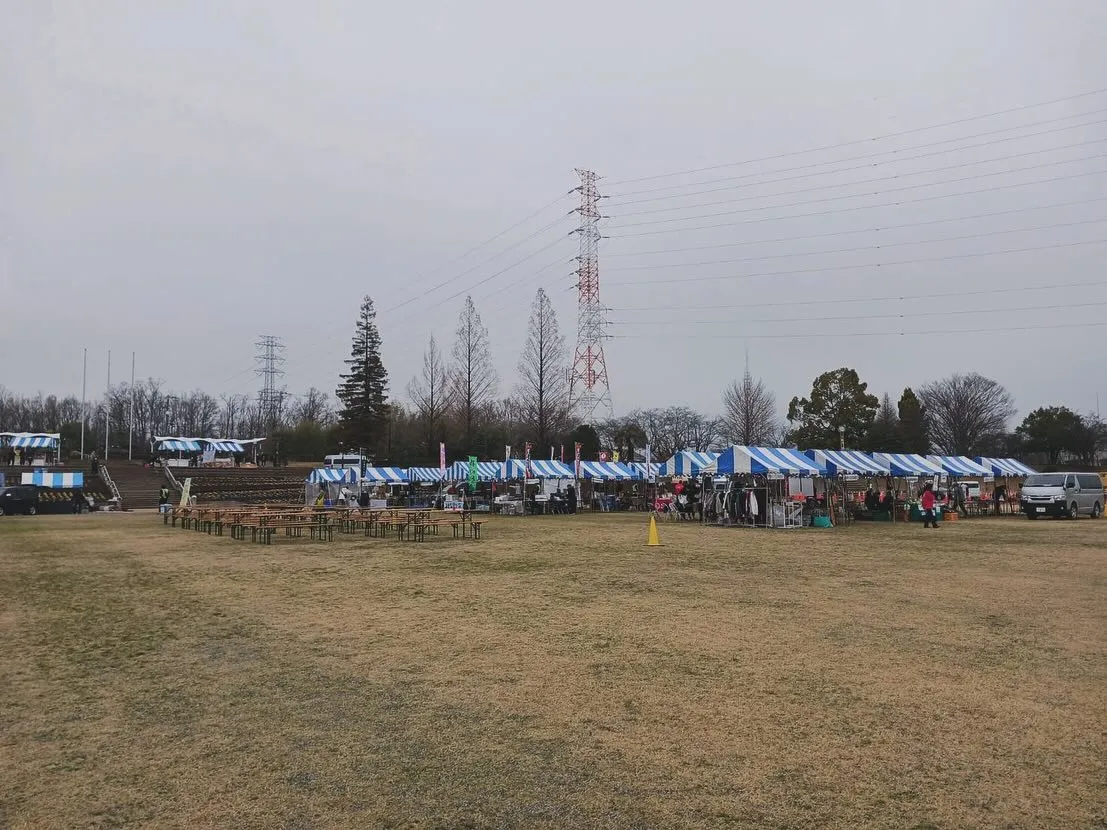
(972, 163)
(867, 299)
(866, 334)
(883, 179)
(473, 268)
(858, 249)
(823, 268)
(878, 229)
(854, 317)
(815, 164)
(897, 203)
(858, 141)
(480, 245)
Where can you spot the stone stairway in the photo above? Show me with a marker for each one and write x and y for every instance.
(138, 485)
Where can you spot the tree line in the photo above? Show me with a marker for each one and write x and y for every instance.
(456, 399)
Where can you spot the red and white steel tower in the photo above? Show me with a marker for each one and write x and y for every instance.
(589, 391)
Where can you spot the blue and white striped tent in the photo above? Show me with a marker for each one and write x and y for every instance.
(385, 475)
(513, 469)
(763, 460)
(424, 474)
(35, 441)
(908, 464)
(959, 465)
(849, 462)
(226, 445)
(486, 471)
(605, 471)
(1010, 467)
(550, 469)
(688, 463)
(332, 475)
(56, 481)
(640, 471)
(179, 445)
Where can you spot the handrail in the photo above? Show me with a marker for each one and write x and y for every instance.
(105, 477)
(172, 478)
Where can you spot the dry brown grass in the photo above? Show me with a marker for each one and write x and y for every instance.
(557, 674)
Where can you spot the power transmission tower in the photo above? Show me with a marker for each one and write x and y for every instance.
(589, 391)
(269, 358)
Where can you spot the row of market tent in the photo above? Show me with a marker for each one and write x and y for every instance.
(510, 470)
(831, 463)
(772, 461)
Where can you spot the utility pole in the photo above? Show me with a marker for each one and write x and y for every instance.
(84, 401)
(589, 390)
(131, 431)
(107, 410)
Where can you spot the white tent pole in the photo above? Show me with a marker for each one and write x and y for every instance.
(84, 401)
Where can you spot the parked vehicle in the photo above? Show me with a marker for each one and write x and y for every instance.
(1062, 494)
(19, 498)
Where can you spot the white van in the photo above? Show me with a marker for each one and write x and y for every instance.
(1062, 494)
(346, 461)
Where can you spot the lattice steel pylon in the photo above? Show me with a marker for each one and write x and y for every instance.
(589, 390)
(269, 358)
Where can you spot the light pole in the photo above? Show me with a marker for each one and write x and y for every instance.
(841, 436)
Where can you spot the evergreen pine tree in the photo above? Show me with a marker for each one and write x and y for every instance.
(364, 389)
(913, 434)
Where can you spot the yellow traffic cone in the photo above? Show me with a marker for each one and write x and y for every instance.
(653, 541)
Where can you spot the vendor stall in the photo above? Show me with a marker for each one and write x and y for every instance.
(756, 492)
(845, 466)
(180, 446)
(328, 482)
(1008, 474)
(33, 448)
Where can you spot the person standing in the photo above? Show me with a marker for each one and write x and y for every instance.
(163, 498)
(571, 498)
(927, 502)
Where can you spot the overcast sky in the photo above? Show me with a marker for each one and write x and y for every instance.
(177, 178)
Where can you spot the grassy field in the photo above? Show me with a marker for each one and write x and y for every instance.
(556, 674)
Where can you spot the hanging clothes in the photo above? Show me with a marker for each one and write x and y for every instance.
(753, 506)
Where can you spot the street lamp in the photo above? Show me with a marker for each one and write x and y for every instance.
(841, 436)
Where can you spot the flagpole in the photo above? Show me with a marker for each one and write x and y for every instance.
(107, 409)
(131, 431)
(84, 401)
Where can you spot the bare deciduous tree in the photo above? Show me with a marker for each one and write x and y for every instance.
(430, 394)
(966, 414)
(543, 391)
(474, 379)
(749, 412)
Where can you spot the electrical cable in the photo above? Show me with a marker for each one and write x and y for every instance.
(855, 317)
(818, 335)
(854, 300)
(855, 142)
(885, 179)
(856, 266)
(858, 249)
(897, 203)
(885, 153)
(608, 255)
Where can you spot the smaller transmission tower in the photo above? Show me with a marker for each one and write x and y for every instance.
(589, 391)
(269, 358)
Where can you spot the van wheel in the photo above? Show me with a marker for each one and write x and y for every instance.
(1, 510)
(1097, 510)
(31, 510)
(1031, 515)
(1074, 511)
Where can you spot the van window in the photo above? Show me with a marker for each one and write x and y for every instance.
(1070, 482)
(1045, 480)
(1089, 481)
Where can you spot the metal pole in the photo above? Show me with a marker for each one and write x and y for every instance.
(107, 409)
(84, 401)
(131, 431)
